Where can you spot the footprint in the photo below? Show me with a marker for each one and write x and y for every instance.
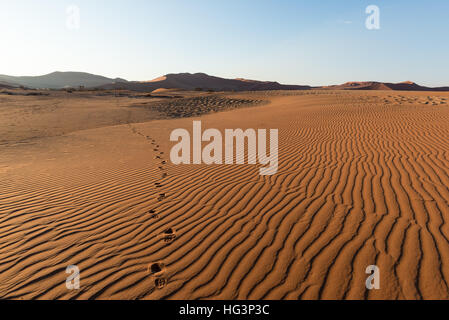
(164, 162)
(160, 283)
(169, 235)
(156, 269)
(164, 175)
(162, 196)
(153, 214)
(158, 184)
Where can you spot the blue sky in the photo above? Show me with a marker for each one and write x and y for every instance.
(297, 42)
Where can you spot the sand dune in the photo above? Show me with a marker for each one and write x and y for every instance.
(195, 81)
(372, 85)
(4, 85)
(188, 81)
(166, 90)
(58, 80)
(363, 179)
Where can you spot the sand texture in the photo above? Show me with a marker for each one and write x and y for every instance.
(86, 180)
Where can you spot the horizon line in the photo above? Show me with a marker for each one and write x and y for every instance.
(226, 78)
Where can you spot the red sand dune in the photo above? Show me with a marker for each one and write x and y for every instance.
(203, 81)
(372, 85)
(188, 81)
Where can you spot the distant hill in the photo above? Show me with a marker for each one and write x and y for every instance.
(189, 81)
(372, 85)
(5, 85)
(58, 80)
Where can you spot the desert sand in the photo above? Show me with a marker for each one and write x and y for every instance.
(363, 179)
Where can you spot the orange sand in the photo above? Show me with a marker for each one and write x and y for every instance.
(363, 179)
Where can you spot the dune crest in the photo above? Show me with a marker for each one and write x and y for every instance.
(373, 85)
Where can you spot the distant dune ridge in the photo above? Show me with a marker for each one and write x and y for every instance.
(59, 80)
(4, 85)
(373, 85)
(188, 81)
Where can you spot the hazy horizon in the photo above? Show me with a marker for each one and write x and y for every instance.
(271, 80)
(291, 42)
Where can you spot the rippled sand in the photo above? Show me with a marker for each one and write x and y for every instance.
(363, 180)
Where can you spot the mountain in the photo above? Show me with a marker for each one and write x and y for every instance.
(58, 80)
(189, 81)
(373, 85)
